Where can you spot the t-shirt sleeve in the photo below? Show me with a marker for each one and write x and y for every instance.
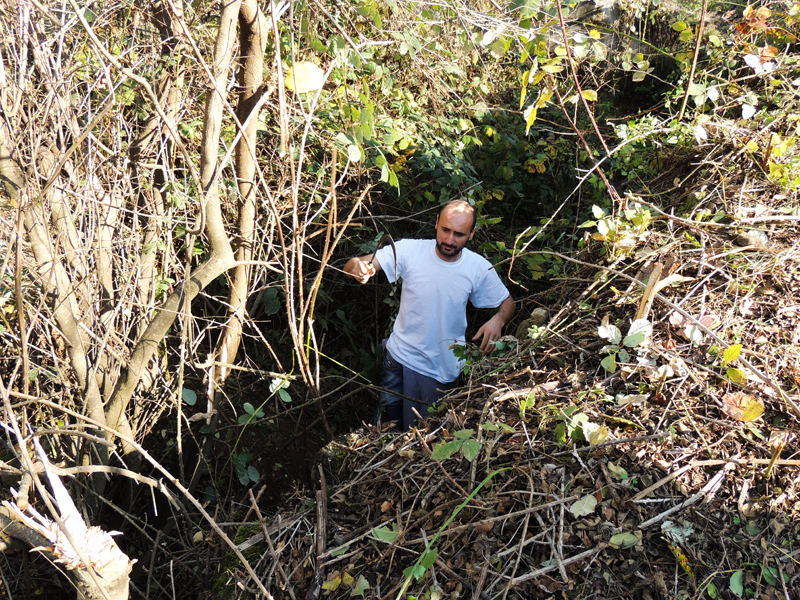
(490, 291)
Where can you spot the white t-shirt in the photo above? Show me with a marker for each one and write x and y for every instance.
(433, 304)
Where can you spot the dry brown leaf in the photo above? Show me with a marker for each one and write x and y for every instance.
(742, 407)
(387, 506)
(485, 528)
(710, 321)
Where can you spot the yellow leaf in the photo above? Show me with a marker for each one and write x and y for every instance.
(524, 92)
(347, 580)
(594, 34)
(560, 51)
(737, 376)
(753, 410)
(598, 436)
(309, 77)
(544, 97)
(590, 95)
(752, 146)
(531, 119)
(552, 69)
(732, 353)
(333, 583)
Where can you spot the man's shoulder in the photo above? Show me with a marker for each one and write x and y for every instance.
(474, 259)
(413, 244)
(416, 241)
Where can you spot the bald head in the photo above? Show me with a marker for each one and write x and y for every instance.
(455, 227)
(460, 207)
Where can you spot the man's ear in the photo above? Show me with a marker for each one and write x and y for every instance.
(472, 233)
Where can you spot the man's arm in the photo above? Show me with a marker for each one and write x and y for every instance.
(359, 269)
(493, 328)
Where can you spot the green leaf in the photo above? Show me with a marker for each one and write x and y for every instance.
(693, 334)
(506, 428)
(445, 450)
(695, 89)
(617, 472)
(756, 431)
(731, 353)
(361, 586)
(584, 506)
(609, 363)
(610, 333)
(464, 434)
(189, 396)
(679, 25)
(271, 303)
(737, 583)
(623, 540)
(354, 153)
(633, 340)
(598, 212)
(561, 433)
(770, 575)
(385, 534)
(248, 408)
(415, 571)
(252, 473)
(712, 592)
(429, 558)
(471, 449)
(641, 329)
(678, 534)
(284, 395)
(393, 179)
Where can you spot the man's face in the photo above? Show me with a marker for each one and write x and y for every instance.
(453, 231)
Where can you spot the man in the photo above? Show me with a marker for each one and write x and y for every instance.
(439, 276)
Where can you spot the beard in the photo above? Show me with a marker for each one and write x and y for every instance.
(446, 250)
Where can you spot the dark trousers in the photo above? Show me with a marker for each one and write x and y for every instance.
(425, 390)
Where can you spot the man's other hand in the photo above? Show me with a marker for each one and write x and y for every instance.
(360, 269)
(493, 328)
(491, 331)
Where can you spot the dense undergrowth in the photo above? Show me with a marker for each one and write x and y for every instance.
(642, 142)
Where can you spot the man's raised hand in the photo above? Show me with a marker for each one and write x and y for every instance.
(361, 269)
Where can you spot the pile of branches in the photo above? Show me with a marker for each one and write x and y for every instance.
(672, 473)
